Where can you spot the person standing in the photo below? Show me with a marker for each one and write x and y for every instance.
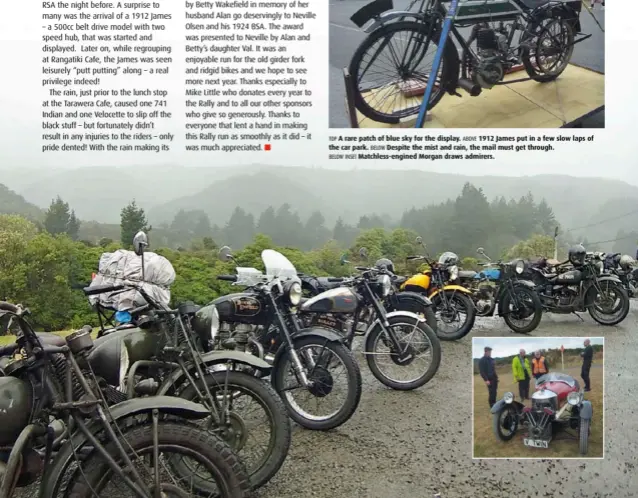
(488, 373)
(588, 356)
(522, 374)
(539, 365)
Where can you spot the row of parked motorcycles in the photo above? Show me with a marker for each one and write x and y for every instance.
(198, 400)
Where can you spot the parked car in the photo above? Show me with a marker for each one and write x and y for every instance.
(558, 404)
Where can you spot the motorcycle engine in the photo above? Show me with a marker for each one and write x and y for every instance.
(492, 48)
(240, 332)
(564, 296)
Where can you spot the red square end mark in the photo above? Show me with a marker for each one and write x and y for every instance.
(267, 147)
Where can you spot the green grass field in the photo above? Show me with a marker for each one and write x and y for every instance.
(487, 445)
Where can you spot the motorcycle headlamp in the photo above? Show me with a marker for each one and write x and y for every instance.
(454, 272)
(574, 398)
(292, 292)
(386, 284)
(519, 267)
(508, 398)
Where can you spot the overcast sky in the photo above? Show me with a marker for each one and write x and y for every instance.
(611, 155)
(507, 346)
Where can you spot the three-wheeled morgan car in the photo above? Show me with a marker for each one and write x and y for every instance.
(558, 405)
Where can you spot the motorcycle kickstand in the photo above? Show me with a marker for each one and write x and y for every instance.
(579, 317)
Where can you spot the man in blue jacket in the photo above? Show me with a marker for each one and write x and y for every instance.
(488, 373)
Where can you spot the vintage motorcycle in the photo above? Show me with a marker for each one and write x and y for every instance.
(392, 65)
(558, 404)
(500, 286)
(342, 308)
(455, 312)
(394, 301)
(624, 267)
(162, 351)
(584, 287)
(306, 361)
(57, 425)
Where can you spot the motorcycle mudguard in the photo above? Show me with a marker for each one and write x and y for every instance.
(377, 322)
(569, 11)
(164, 404)
(387, 17)
(503, 290)
(407, 296)
(215, 358)
(498, 406)
(458, 288)
(586, 410)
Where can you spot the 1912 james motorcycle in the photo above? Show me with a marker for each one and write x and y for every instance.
(392, 65)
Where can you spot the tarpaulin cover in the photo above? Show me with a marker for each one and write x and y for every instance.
(125, 267)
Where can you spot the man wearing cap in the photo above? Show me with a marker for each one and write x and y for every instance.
(488, 373)
(588, 356)
(522, 374)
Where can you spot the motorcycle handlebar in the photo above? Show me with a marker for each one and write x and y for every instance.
(227, 278)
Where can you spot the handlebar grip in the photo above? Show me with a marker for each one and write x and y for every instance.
(335, 279)
(102, 289)
(11, 308)
(227, 278)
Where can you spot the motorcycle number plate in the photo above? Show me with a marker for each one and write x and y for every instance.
(536, 443)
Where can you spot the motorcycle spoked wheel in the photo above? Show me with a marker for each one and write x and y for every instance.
(431, 344)
(337, 354)
(455, 302)
(618, 313)
(505, 419)
(550, 37)
(220, 472)
(388, 38)
(529, 305)
(262, 461)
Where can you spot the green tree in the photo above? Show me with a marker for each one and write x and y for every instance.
(132, 220)
(240, 228)
(535, 247)
(267, 223)
(315, 231)
(59, 219)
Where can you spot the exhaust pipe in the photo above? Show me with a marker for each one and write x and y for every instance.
(470, 87)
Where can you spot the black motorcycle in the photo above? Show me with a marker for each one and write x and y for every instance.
(402, 336)
(584, 287)
(56, 424)
(502, 286)
(306, 361)
(163, 351)
(624, 267)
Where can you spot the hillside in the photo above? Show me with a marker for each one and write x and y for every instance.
(12, 203)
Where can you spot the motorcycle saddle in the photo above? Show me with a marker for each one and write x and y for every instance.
(467, 274)
(399, 280)
(326, 284)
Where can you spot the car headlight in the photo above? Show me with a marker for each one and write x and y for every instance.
(386, 284)
(508, 398)
(454, 272)
(574, 398)
(294, 293)
(214, 324)
(520, 266)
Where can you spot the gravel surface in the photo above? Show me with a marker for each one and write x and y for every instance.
(418, 444)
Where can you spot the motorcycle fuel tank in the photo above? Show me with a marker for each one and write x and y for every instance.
(569, 278)
(16, 401)
(490, 274)
(339, 300)
(241, 307)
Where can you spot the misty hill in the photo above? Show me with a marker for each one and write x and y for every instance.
(12, 203)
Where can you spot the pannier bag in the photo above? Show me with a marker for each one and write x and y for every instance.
(125, 267)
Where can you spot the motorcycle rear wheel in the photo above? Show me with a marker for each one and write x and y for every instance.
(536, 304)
(466, 305)
(535, 39)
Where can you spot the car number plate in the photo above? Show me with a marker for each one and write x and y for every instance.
(536, 443)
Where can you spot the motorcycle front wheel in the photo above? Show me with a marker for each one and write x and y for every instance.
(505, 423)
(336, 381)
(522, 311)
(456, 315)
(603, 307)
(217, 470)
(418, 342)
(257, 426)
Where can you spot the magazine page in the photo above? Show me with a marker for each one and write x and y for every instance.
(363, 248)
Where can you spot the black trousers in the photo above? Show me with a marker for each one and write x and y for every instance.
(491, 390)
(584, 373)
(523, 388)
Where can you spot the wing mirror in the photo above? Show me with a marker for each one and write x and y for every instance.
(363, 253)
(344, 259)
(140, 242)
(480, 250)
(225, 254)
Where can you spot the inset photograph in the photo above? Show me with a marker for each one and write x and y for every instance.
(477, 64)
(538, 397)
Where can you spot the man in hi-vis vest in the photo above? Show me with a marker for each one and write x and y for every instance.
(539, 365)
(522, 374)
